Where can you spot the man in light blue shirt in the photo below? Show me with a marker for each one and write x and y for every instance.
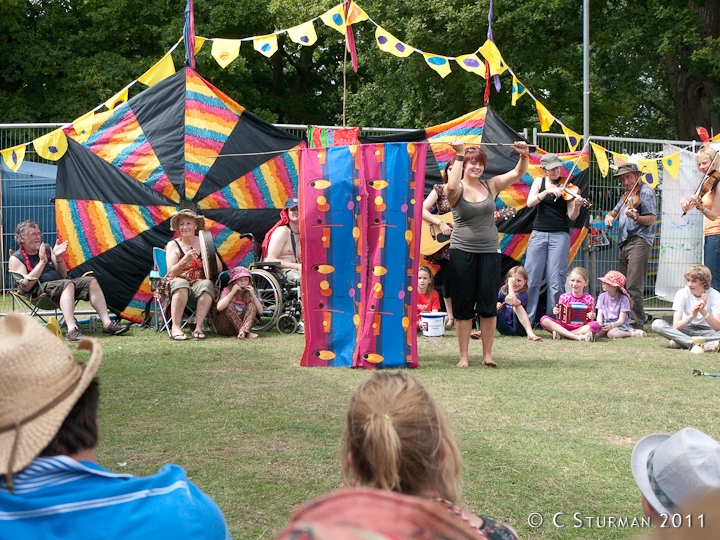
(50, 483)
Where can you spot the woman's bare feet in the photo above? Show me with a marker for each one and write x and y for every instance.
(463, 363)
(476, 335)
(241, 335)
(489, 362)
(250, 335)
(534, 337)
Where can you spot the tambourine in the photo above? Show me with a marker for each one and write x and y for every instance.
(207, 254)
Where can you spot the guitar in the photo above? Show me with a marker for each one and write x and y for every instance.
(431, 239)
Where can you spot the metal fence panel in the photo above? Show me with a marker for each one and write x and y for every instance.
(604, 192)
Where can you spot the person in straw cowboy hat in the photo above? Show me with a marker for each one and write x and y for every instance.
(674, 471)
(185, 279)
(51, 485)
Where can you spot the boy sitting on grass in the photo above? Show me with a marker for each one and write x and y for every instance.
(697, 312)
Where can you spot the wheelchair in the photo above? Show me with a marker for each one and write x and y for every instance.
(280, 297)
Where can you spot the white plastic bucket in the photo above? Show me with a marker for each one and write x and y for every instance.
(433, 323)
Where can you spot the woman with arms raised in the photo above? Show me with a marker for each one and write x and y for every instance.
(475, 258)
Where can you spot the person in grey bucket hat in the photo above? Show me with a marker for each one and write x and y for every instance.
(673, 471)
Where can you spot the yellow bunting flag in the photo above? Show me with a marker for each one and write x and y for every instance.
(335, 18)
(13, 157)
(716, 138)
(355, 14)
(199, 42)
(471, 63)
(51, 146)
(620, 159)
(224, 51)
(649, 170)
(546, 119)
(118, 99)
(439, 63)
(304, 33)
(573, 139)
(162, 70)
(83, 126)
(601, 158)
(491, 53)
(672, 164)
(518, 90)
(390, 44)
(266, 45)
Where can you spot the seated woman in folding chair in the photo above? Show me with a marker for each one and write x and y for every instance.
(185, 279)
(45, 272)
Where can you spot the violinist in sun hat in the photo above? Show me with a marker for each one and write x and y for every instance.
(613, 308)
(51, 485)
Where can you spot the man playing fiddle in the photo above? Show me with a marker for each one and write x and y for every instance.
(637, 211)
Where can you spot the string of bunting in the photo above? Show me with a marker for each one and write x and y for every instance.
(53, 145)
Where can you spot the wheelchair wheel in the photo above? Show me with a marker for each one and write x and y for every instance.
(270, 294)
(286, 324)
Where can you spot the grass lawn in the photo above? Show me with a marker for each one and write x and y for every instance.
(551, 430)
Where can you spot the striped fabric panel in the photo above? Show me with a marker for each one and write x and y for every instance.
(266, 186)
(469, 128)
(208, 124)
(121, 142)
(135, 310)
(94, 227)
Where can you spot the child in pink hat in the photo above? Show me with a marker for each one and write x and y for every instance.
(238, 304)
(613, 308)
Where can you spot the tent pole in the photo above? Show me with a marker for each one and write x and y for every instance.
(345, 83)
(586, 69)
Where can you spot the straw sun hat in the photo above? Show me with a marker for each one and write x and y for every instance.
(40, 381)
(188, 214)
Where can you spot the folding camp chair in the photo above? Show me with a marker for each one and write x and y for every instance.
(38, 304)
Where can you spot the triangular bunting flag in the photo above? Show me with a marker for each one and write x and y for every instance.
(471, 63)
(649, 170)
(620, 159)
(83, 126)
(118, 99)
(546, 119)
(51, 146)
(355, 14)
(224, 51)
(601, 158)
(335, 18)
(266, 45)
(438, 63)
(672, 164)
(573, 139)
(13, 157)
(518, 90)
(716, 138)
(390, 44)
(304, 33)
(162, 70)
(491, 53)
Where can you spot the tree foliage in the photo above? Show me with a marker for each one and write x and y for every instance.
(655, 67)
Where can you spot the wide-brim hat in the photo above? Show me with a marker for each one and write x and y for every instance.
(626, 168)
(550, 161)
(616, 279)
(238, 272)
(189, 214)
(674, 470)
(40, 382)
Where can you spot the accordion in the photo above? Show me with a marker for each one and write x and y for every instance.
(573, 313)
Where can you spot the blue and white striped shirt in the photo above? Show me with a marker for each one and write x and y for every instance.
(61, 498)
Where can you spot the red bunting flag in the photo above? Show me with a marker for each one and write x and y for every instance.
(704, 136)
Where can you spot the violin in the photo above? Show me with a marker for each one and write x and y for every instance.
(631, 198)
(571, 191)
(708, 182)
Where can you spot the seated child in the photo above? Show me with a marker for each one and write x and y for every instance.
(581, 332)
(239, 296)
(613, 308)
(428, 298)
(697, 312)
(512, 319)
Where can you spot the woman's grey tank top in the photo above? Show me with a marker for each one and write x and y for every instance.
(474, 230)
